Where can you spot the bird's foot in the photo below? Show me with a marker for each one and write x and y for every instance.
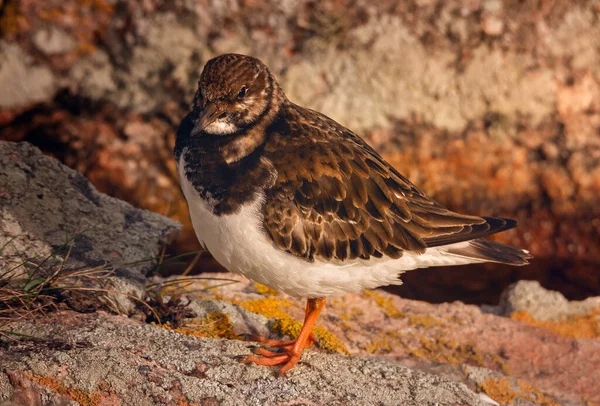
(287, 357)
(285, 344)
(289, 351)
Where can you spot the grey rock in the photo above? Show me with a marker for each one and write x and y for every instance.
(44, 204)
(242, 320)
(167, 44)
(53, 41)
(541, 303)
(93, 76)
(147, 365)
(22, 82)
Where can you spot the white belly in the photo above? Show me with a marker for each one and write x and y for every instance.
(238, 243)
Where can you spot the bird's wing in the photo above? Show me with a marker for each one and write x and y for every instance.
(336, 198)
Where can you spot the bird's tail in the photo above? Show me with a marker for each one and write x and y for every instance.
(489, 251)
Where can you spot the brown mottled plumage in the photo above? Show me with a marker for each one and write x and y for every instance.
(336, 198)
(297, 184)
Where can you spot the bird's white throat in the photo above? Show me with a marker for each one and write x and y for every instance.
(221, 127)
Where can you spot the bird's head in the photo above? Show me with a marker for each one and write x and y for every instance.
(234, 92)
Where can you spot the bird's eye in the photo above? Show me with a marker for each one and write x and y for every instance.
(223, 115)
(242, 92)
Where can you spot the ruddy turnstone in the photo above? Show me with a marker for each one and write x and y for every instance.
(291, 199)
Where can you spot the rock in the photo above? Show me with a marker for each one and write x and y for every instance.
(53, 41)
(489, 107)
(23, 82)
(492, 26)
(519, 361)
(143, 365)
(542, 304)
(44, 205)
(243, 322)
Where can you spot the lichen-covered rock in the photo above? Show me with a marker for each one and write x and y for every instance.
(145, 365)
(542, 304)
(518, 358)
(49, 208)
(491, 107)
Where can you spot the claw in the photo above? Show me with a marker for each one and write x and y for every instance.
(266, 353)
(291, 350)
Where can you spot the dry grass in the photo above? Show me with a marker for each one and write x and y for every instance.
(34, 286)
(169, 300)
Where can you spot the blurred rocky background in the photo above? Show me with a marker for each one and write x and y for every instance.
(491, 107)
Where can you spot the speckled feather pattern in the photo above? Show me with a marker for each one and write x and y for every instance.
(311, 194)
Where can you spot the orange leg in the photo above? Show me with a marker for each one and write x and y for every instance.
(292, 349)
(287, 344)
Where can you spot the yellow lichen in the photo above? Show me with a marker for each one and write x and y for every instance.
(502, 391)
(291, 328)
(353, 314)
(82, 397)
(273, 308)
(329, 341)
(425, 321)
(213, 325)
(385, 303)
(269, 307)
(576, 326)
(438, 348)
(446, 351)
(287, 326)
(265, 290)
(379, 346)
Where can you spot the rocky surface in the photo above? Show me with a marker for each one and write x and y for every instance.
(373, 348)
(511, 359)
(535, 348)
(47, 208)
(542, 304)
(142, 365)
(490, 106)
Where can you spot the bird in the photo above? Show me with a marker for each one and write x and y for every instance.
(291, 199)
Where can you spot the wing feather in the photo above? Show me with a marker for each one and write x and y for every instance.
(336, 198)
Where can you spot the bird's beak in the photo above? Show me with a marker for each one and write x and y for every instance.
(208, 115)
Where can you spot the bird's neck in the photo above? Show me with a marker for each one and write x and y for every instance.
(228, 170)
(249, 139)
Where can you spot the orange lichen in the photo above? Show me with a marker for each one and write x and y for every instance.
(82, 397)
(499, 389)
(502, 391)
(213, 325)
(11, 20)
(265, 290)
(534, 394)
(90, 19)
(385, 303)
(576, 326)
(184, 402)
